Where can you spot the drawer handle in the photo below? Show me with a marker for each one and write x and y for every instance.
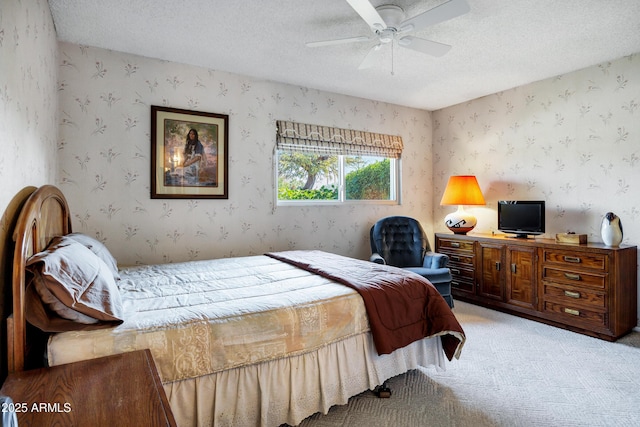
(498, 266)
(454, 283)
(572, 259)
(455, 270)
(572, 312)
(572, 294)
(455, 258)
(572, 276)
(455, 244)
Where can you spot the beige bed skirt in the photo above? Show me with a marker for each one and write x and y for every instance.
(288, 390)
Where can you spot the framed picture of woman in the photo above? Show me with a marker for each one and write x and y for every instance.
(189, 154)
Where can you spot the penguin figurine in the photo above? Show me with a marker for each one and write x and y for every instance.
(611, 230)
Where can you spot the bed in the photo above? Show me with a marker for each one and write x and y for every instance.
(257, 340)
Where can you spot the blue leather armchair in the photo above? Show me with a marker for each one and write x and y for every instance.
(401, 242)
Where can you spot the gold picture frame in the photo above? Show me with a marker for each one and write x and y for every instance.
(189, 154)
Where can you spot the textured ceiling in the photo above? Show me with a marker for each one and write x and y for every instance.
(498, 45)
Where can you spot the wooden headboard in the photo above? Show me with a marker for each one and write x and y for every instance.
(44, 216)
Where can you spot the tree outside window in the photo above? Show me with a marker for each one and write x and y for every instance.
(303, 176)
(335, 178)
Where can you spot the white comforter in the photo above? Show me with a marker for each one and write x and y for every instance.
(203, 317)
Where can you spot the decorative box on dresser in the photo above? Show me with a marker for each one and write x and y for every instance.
(586, 288)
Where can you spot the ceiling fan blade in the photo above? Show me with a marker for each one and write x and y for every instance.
(338, 41)
(444, 12)
(370, 58)
(425, 46)
(367, 12)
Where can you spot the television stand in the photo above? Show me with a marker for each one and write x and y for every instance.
(586, 288)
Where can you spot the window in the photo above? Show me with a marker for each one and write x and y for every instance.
(322, 165)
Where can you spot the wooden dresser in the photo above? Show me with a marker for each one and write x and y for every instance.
(119, 390)
(590, 289)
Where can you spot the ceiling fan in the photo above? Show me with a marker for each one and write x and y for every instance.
(388, 24)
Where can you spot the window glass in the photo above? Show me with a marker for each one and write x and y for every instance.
(335, 178)
(303, 176)
(368, 178)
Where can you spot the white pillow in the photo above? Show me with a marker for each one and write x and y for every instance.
(78, 279)
(98, 248)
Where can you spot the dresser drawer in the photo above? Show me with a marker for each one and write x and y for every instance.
(460, 259)
(462, 284)
(575, 296)
(574, 277)
(576, 259)
(574, 315)
(461, 273)
(458, 245)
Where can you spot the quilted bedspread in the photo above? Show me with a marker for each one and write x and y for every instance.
(204, 317)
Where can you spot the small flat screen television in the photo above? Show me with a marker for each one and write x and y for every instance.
(521, 217)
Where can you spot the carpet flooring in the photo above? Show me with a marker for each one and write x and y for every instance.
(512, 372)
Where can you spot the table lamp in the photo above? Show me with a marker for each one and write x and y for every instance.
(461, 190)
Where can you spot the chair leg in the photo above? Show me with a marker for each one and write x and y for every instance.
(449, 300)
(445, 290)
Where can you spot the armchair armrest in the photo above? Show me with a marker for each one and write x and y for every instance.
(435, 260)
(377, 258)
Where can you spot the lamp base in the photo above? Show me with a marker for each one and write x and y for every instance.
(460, 222)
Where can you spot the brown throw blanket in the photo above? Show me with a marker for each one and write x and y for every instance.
(402, 306)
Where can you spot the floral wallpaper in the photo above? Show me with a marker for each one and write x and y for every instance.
(28, 96)
(104, 158)
(573, 141)
(28, 123)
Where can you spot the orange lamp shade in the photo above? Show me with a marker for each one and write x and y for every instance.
(462, 190)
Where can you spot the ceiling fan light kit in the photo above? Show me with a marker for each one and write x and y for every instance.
(387, 22)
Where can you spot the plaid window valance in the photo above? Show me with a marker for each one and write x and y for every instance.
(293, 136)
